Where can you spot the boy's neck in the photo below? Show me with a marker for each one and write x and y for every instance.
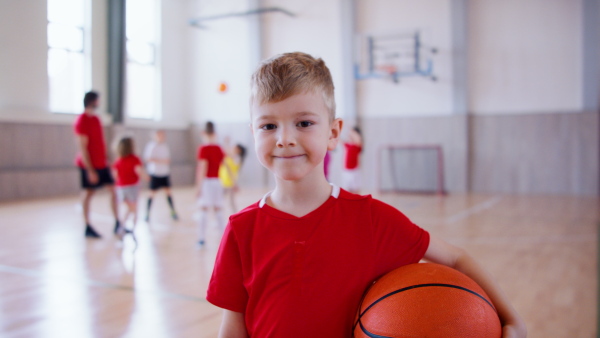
(210, 139)
(89, 111)
(299, 198)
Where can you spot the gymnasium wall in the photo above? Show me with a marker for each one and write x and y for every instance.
(38, 160)
(523, 127)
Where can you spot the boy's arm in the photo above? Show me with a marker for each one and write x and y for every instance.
(444, 253)
(233, 325)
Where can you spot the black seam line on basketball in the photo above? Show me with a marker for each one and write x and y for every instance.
(370, 334)
(423, 286)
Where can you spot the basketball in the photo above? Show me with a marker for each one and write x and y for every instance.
(223, 87)
(426, 300)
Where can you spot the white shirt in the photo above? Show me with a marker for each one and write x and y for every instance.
(156, 150)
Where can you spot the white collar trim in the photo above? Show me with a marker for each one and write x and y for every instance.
(335, 193)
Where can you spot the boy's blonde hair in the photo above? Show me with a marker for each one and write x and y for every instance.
(285, 75)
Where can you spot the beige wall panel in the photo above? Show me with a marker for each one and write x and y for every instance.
(447, 131)
(535, 154)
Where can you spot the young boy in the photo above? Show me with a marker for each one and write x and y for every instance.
(351, 171)
(158, 165)
(210, 191)
(296, 263)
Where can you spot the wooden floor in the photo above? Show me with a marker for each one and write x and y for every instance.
(55, 283)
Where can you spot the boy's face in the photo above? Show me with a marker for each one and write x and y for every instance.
(160, 136)
(292, 136)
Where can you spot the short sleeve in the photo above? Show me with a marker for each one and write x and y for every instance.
(80, 127)
(137, 161)
(226, 287)
(398, 240)
(201, 153)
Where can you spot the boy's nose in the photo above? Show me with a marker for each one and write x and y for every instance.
(286, 139)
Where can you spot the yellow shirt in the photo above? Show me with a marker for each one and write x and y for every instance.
(228, 180)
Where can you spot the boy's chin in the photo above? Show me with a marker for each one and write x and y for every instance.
(298, 176)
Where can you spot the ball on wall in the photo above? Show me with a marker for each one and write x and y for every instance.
(223, 87)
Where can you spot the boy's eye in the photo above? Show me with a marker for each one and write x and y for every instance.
(305, 124)
(268, 126)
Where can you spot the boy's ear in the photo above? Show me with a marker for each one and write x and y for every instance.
(335, 132)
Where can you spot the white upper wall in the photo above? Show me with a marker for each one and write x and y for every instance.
(221, 53)
(413, 95)
(315, 30)
(525, 56)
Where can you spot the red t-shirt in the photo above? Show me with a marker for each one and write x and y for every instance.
(214, 155)
(352, 152)
(304, 276)
(125, 167)
(89, 125)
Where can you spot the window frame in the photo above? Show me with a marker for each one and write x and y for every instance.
(84, 53)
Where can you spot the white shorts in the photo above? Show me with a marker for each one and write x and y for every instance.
(211, 194)
(128, 193)
(351, 179)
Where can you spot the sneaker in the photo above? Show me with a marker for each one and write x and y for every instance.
(122, 231)
(174, 215)
(91, 233)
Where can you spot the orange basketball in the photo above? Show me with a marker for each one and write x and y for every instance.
(426, 300)
(223, 87)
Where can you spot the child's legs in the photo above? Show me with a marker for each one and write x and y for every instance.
(132, 211)
(211, 198)
(202, 223)
(86, 198)
(129, 195)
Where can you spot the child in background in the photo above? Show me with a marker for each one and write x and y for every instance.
(326, 164)
(127, 169)
(351, 172)
(158, 165)
(229, 171)
(210, 191)
(297, 262)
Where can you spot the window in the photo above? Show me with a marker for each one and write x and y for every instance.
(67, 55)
(142, 90)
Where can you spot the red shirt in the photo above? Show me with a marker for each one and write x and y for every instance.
(352, 152)
(304, 276)
(125, 167)
(214, 155)
(89, 125)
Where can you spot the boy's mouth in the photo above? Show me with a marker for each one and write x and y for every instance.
(288, 157)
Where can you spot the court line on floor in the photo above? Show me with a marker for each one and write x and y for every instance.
(33, 273)
(477, 208)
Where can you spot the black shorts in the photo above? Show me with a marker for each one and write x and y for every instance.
(104, 178)
(157, 182)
